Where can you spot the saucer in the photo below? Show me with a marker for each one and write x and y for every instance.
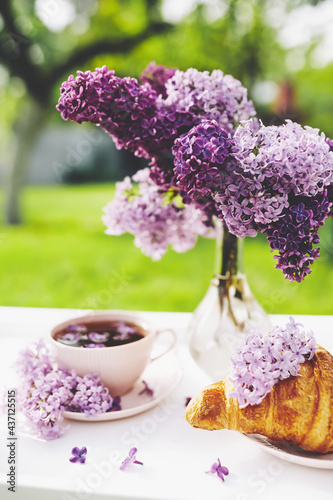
(292, 453)
(162, 376)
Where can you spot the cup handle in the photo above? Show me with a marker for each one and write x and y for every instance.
(171, 346)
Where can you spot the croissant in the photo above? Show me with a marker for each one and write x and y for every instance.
(298, 409)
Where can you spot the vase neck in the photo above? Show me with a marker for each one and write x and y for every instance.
(229, 253)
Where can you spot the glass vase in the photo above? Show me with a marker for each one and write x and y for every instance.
(227, 312)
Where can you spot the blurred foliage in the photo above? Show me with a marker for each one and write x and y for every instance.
(233, 35)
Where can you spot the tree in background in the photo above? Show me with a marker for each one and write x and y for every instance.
(37, 58)
(42, 41)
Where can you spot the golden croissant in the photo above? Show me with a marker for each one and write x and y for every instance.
(298, 409)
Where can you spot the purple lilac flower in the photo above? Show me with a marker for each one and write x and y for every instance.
(207, 96)
(98, 336)
(294, 235)
(262, 361)
(201, 157)
(130, 459)
(47, 390)
(124, 331)
(79, 455)
(116, 404)
(77, 328)
(141, 210)
(127, 110)
(218, 469)
(70, 337)
(146, 390)
(273, 163)
(157, 76)
(330, 187)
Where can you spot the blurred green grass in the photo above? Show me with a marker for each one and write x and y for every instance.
(61, 257)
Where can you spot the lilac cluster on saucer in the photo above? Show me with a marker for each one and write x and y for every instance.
(262, 361)
(47, 390)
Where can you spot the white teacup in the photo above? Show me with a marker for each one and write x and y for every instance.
(119, 366)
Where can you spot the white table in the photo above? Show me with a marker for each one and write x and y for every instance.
(175, 455)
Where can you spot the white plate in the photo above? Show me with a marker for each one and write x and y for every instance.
(292, 453)
(162, 375)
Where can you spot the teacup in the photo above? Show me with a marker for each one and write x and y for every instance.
(119, 366)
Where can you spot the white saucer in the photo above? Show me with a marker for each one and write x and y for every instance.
(292, 453)
(162, 375)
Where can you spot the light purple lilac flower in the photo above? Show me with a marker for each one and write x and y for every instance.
(77, 328)
(214, 96)
(142, 211)
(264, 360)
(47, 390)
(130, 459)
(98, 336)
(272, 163)
(218, 469)
(70, 337)
(79, 455)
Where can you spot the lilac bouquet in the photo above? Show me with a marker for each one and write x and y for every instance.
(210, 159)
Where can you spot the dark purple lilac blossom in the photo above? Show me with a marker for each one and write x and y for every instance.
(116, 404)
(127, 110)
(79, 455)
(146, 390)
(218, 469)
(130, 459)
(294, 235)
(264, 360)
(47, 390)
(157, 76)
(201, 157)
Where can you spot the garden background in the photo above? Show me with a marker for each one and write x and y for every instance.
(57, 176)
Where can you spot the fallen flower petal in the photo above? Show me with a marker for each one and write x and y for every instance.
(131, 459)
(79, 455)
(146, 389)
(218, 469)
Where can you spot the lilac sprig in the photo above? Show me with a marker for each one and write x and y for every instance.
(127, 110)
(295, 234)
(262, 361)
(47, 390)
(142, 210)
